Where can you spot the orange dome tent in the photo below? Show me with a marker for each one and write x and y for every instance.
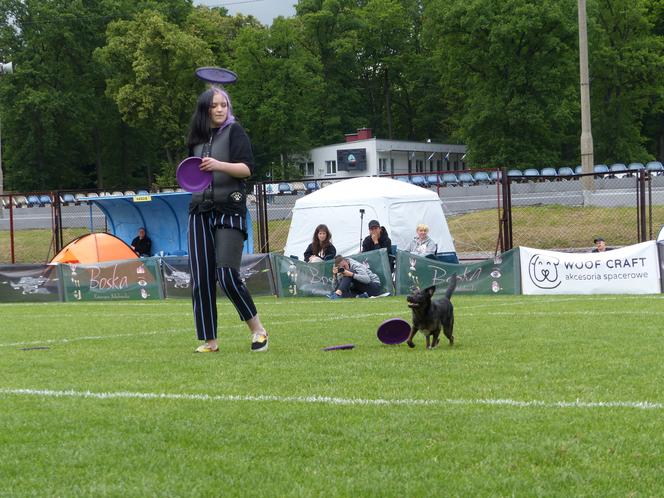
(93, 248)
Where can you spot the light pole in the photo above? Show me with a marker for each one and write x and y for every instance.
(5, 68)
(586, 133)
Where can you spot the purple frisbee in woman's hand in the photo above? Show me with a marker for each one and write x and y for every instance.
(190, 177)
(393, 331)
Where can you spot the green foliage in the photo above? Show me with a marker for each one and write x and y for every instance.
(103, 89)
(626, 66)
(509, 72)
(149, 64)
(281, 92)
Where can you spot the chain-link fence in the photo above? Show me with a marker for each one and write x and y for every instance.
(34, 227)
(484, 213)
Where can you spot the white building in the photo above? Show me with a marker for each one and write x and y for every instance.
(364, 155)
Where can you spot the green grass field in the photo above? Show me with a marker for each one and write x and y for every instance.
(541, 396)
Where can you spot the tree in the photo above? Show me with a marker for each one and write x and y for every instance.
(626, 64)
(280, 91)
(510, 77)
(61, 131)
(149, 65)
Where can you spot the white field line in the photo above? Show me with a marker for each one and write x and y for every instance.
(66, 340)
(327, 400)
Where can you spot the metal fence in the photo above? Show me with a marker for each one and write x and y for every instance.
(496, 211)
(488, 212)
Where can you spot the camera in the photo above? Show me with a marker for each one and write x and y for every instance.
(340, 269)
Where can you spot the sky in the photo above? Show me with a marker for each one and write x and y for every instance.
(263, 10)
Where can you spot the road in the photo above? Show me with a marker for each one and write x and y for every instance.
(610, 192)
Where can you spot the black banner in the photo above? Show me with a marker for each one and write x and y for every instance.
(255, 272)
(28, 283)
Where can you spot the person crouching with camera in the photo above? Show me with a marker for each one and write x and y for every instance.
(353, 279)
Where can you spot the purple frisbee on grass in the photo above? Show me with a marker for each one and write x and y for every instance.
(216, 75)
(393, 331)
(190, 177)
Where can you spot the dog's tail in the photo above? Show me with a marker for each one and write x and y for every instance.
(452, 286)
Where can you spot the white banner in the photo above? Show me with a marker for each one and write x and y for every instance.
(628, 270)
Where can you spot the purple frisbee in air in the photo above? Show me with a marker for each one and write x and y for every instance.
(393, 331)
(216, 75)
(190, 177)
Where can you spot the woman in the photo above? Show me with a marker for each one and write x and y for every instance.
(218, 218)
(422, 244)
(321, 248)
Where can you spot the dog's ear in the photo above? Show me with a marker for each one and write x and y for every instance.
(430, 290)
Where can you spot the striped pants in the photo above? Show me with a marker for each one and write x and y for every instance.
(204, 274)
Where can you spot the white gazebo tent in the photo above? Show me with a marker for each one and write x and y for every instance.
(397, 205)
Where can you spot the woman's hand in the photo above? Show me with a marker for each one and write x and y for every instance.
(211, 164)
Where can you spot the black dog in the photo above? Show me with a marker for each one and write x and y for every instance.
(429, 316)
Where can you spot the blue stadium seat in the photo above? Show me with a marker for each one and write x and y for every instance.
(617, 170)
(68, 199)
(449, 180)
(634, 167)
(45, 200)
(549, 174)
(531, 174)
(285, 188)
(32, 201)
(601, 170)
(565, 171)
(419, 180)
(311, 186)
(495, 176)
(655, 167)
(481, 177)
(515, 174)
(466, 179)
(433, 180)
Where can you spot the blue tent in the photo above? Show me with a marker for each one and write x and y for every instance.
(164, 217)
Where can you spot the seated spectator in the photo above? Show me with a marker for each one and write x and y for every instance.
(378, 239)
(353, 279)
(422, 244)
(600, 245)
(321, 248)
(142, 245)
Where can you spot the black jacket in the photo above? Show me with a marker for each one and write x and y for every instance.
(330, 252)
(383, 241)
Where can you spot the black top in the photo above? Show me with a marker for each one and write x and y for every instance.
(239, 151)
(330, 252)
(143, 247)
(383, 241)
(239, 146)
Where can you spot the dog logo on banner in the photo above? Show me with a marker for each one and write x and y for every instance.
(543, 271)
